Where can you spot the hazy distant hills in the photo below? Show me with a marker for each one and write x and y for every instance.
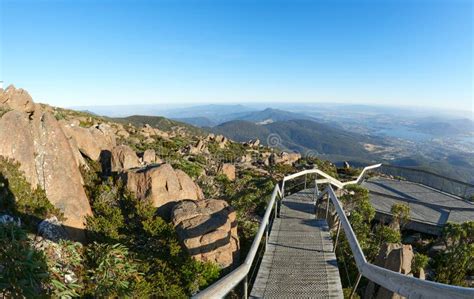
(266, 116)
(442, 127)
(159, 122)
(357, 133)
(304, 136)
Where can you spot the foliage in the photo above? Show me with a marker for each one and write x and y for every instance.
(159, 265)
(347, 294)
(66, 259)
(361, 214)
(248, 195)
(18, 198)
(112, 272)
(3, 111)
(159, 122)
(400, 213)
(108, 219)
(420, 261)
(385, 234)
(193, 169)
(24, 269)
(456, 262)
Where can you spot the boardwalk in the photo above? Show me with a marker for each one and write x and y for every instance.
(430, 209)
(299, 262)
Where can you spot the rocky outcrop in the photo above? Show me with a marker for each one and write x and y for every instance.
(395, 257)
(148, 131)
(219, 139)
(252, 143)
(228, 170)
(92, 141)
(163, 185)
(52, 229)
(284, 158)
(199, 148)
(36, 140)
(123, 158)
(208, 230)
(16, 99)
(149, 156)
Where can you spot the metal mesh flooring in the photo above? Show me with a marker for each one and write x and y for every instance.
(299, 262)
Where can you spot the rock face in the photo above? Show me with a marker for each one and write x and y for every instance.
(284, 158)
(149, 156)
(16, 99)
(123, 158)
(163, 185)
(90, 141)
(199, 148)
(208, 230)
(395, 257)
(52, 229)
(36, 140)
(228, 170)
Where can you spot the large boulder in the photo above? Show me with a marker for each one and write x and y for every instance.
(395, 257)
(36, 140)
(92, 141)
(149, 156)
(16, 99)
(163, 185)
(284, 158)
(208, 230)
(228, 170)
(123, 158)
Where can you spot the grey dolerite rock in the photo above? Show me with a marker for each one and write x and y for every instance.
(52, 229)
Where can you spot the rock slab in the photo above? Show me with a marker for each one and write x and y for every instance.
(208, 230)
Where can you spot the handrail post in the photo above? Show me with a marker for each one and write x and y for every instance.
(266, 236)
(246, 287)
(316, 191)
(359, 276)
(305, 177)
(275, 213)
(283, 190)
(327, 208)
(337, 234)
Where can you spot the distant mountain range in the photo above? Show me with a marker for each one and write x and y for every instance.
(303, 136)
(358, 134)
(266, 116)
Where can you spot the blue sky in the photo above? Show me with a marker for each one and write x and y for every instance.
(71, 53)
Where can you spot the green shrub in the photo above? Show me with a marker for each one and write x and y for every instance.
(456, 262)
(18, 198)
(194, 170)
(420, 261)
(107, 222)
(400, 213)
(24, 269)
(66, 259)
(112, 272)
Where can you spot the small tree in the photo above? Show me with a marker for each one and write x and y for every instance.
(420, 261)
(400, 215)
(456, 262)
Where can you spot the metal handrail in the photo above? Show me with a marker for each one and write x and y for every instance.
(407, 286)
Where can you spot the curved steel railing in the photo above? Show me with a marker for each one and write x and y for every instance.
(407, 286)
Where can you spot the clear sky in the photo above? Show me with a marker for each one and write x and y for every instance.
(71, 53)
